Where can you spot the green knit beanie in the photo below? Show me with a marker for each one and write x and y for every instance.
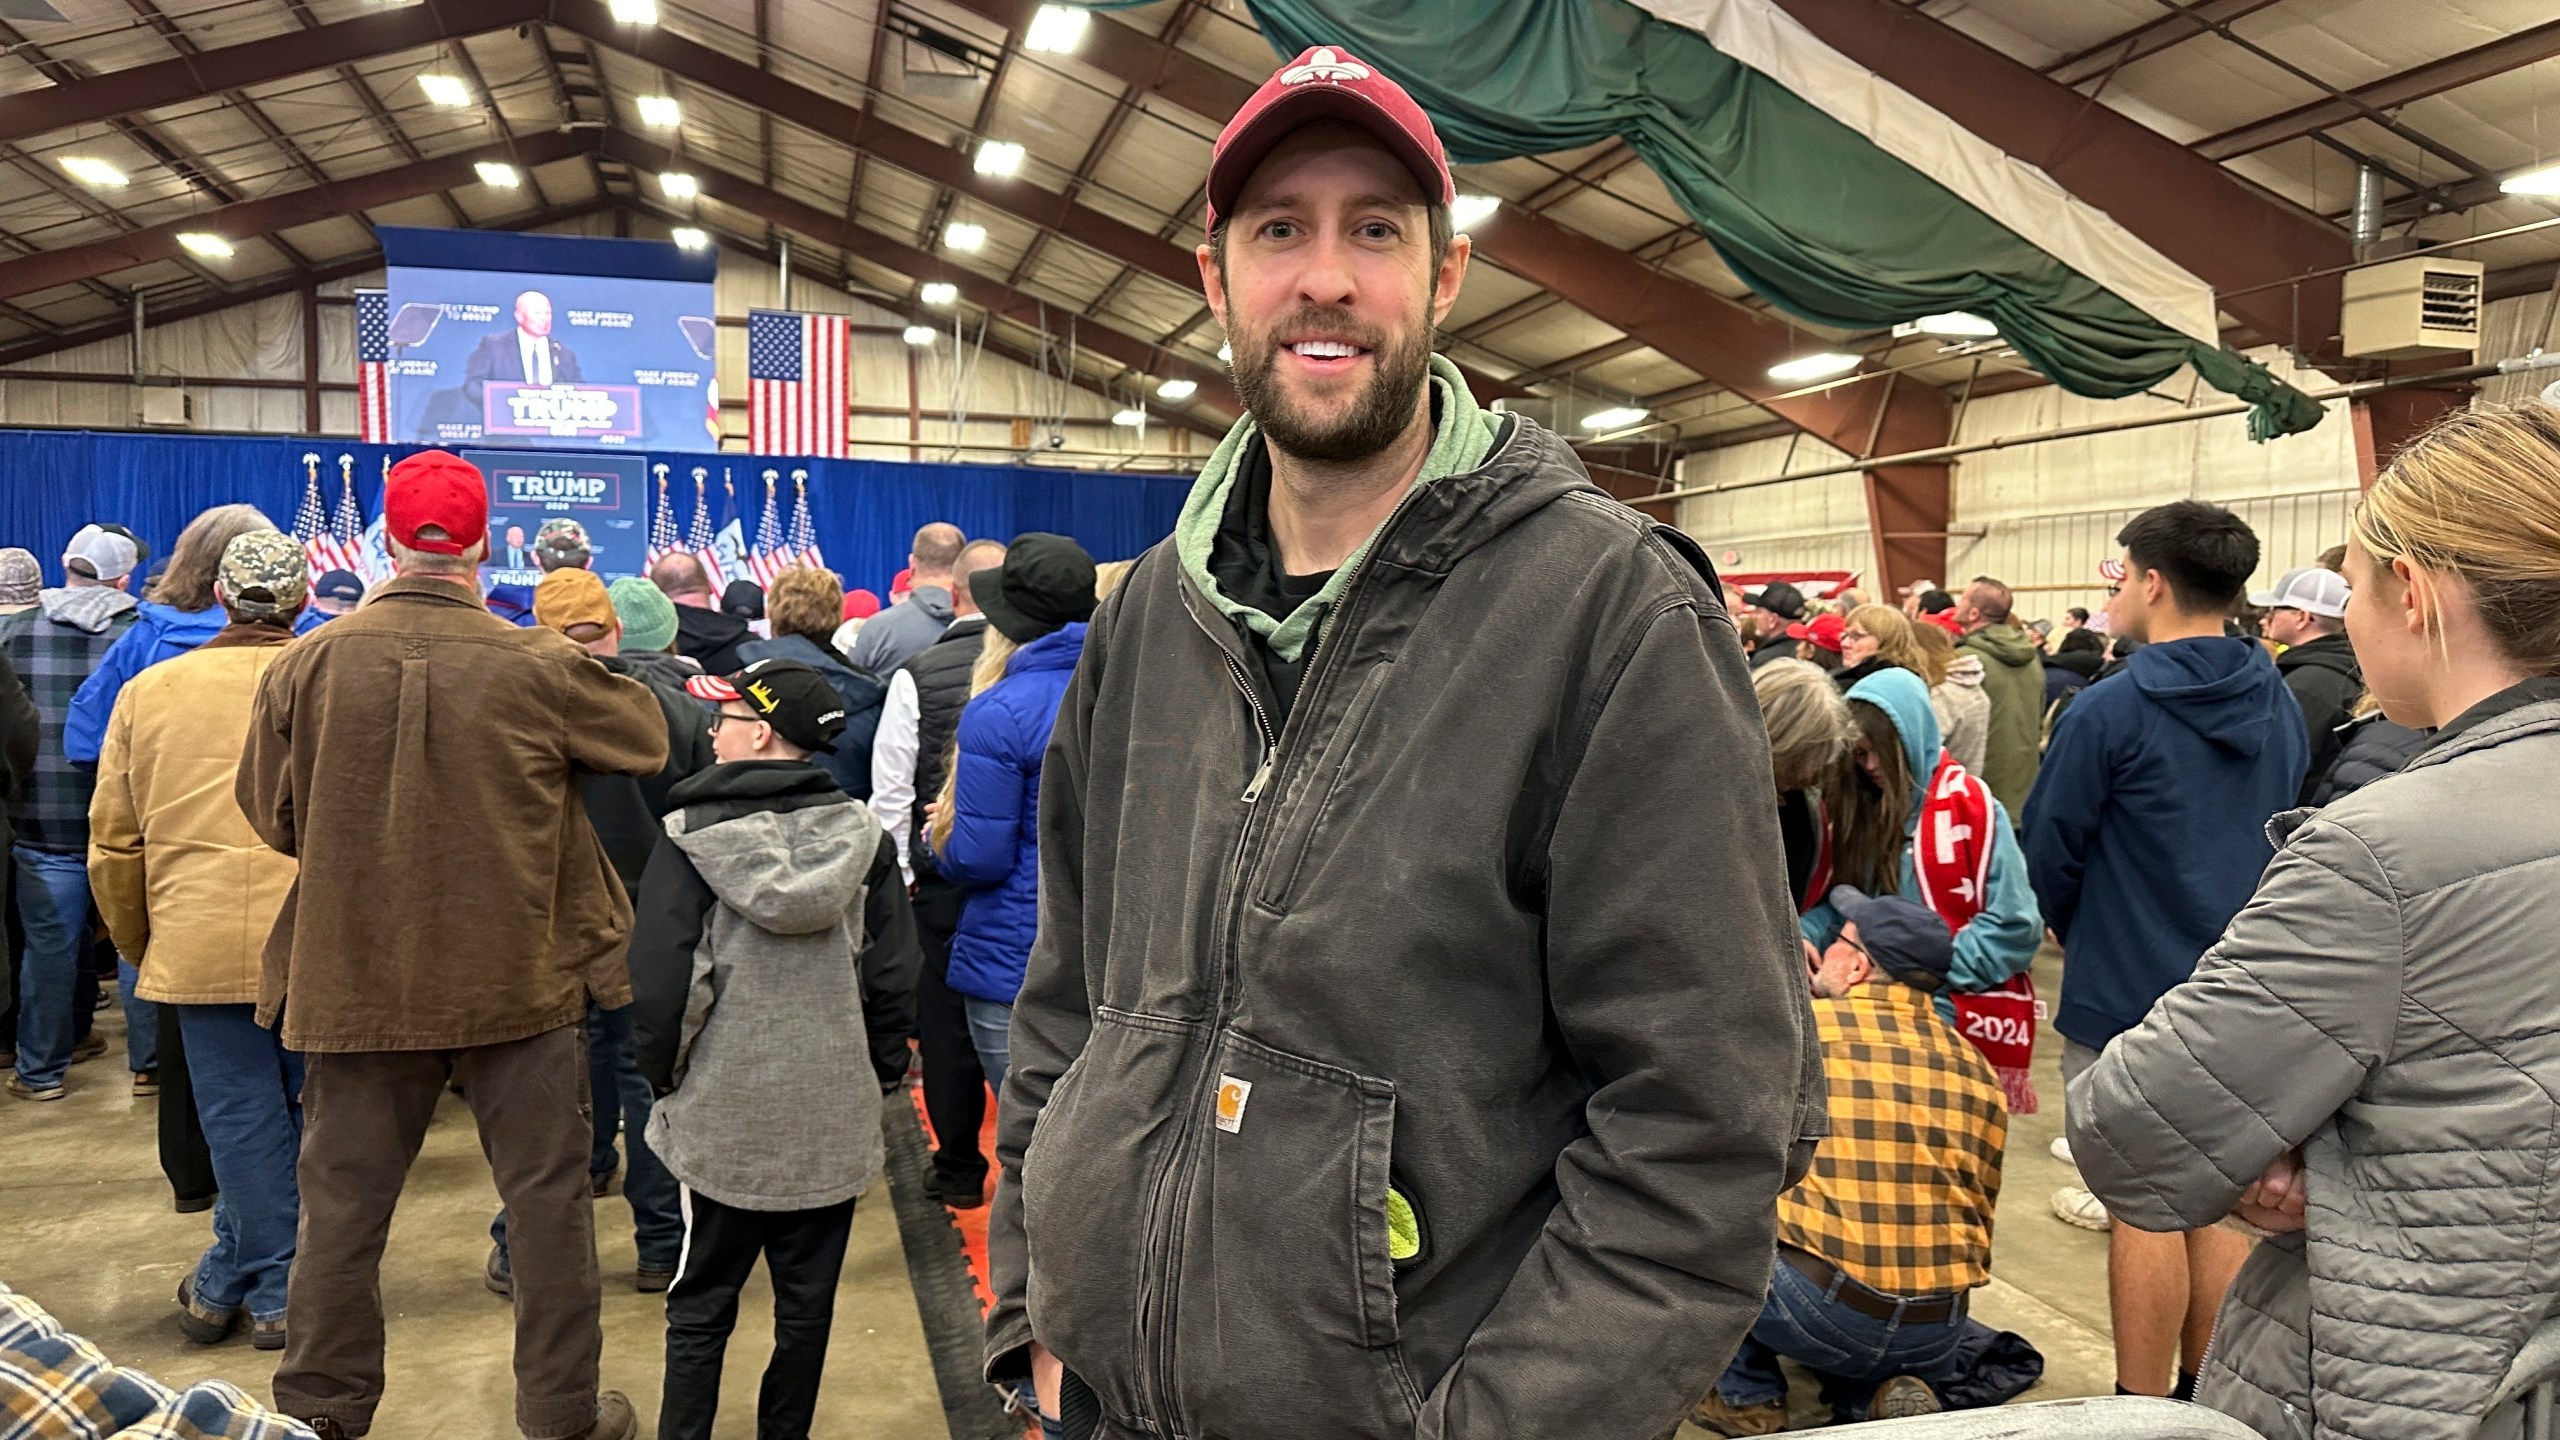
(648, 616)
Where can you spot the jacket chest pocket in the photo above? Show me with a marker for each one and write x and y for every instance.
(1315, 796)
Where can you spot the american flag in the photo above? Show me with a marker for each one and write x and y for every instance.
(320, 549)
(766, 558)
(373, 366)
(663, 540)
(704, 541)
(804, 532)
(796, 383)
(346, 528)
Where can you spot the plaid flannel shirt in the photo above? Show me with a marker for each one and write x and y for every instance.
(57, 1386)
(53, 659)
(1900, 1194)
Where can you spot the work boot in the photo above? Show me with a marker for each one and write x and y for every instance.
(267, 1334)
(146, 1083)
(649, 1280)
(497, 1277)
(615, 1419)
(951, 1193)
(1718, 1417)
(89, 1049)
(17, 1085)
(202, 1323)
(1901, 1397)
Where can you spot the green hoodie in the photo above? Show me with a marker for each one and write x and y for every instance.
(1460, 442)
(2013, 679)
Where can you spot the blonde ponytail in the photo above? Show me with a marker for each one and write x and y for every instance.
(2478, 496)
(993, 656)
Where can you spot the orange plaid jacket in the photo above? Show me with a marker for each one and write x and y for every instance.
(1900, 1194)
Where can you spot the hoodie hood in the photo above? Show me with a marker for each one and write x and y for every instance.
(1463, 436)
(2221, 687)
(777, 842)
(1904, 699)
(88, 609)
(1056, 651)
(2002, 645)
(1966, 670)
(932, 600)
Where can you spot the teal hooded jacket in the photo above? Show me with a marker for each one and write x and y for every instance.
(2002, 940)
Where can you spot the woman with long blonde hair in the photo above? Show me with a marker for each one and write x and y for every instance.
(2364, 1065)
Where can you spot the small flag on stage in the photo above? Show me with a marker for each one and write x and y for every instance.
(662, 525)
(804, 532)
(796, 383)
(346, 528)
(320, 551)
(766, 558)
(373, 366)
(704, 542)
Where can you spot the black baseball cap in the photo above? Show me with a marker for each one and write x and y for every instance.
(338, 585)
(1906, 940)
(744, 599)
(1044, 585)
(793, 698)
(1778, 597)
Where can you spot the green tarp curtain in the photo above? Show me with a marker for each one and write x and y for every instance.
(1811, 214)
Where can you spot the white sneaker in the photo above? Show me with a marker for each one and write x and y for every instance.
(2075, 1206)
(2061, 1148)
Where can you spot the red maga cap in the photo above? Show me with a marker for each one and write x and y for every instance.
(1326, 83)
(438, 488)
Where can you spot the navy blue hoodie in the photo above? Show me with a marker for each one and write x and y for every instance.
(2147, 829)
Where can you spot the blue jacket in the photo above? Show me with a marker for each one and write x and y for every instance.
(1999, 942)
(994, 852)
(158, 633)
(2147, 830)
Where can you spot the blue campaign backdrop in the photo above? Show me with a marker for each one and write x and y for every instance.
(866, 511)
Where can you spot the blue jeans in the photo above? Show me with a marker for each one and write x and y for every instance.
(141, 1022)
(620, 1097)
(991, 1034)
(1851, 1352)
(53, 903)
(248, 1092)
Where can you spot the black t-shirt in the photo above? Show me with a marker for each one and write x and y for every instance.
(1245, 561)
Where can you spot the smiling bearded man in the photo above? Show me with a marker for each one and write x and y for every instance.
(1415, 1042)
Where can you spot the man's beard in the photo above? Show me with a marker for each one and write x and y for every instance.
(1377, 416)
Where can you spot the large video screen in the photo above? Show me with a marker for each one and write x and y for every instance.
(549, 341)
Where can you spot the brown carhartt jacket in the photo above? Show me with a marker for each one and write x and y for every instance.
(419, 757)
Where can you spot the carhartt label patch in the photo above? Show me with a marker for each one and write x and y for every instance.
(1232, 1093)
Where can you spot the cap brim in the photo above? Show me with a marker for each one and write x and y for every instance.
(1247, 148)
(714, 688)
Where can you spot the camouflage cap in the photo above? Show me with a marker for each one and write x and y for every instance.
(562, 541)
(263, 575)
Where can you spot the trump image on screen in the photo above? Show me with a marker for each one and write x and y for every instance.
(525, 353)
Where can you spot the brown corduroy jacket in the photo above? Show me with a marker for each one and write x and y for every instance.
(419, 757)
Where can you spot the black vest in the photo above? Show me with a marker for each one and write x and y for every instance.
(941, 674)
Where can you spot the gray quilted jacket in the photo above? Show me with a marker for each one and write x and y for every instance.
(2387, 1002)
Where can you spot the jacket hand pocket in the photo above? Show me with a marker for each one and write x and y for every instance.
(1286, 1320)
(1088, 1176)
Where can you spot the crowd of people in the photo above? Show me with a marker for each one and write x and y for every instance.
(1444, 968)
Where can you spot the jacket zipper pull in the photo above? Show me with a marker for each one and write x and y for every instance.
(1261, 778)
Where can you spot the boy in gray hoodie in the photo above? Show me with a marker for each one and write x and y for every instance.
(772, 933)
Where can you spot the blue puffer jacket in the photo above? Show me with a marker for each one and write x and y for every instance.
(2001, 940)
(158, 633)
(994, 852)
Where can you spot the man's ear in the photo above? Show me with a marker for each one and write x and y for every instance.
(1452, 276)
(1213, 285)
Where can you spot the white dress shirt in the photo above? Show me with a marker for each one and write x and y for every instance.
(536, 352)
(893, 765)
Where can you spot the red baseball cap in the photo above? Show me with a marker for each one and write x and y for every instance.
(438, 488)
(1326, 83)
(860, 605)
(1823, 630)
(1944, 620)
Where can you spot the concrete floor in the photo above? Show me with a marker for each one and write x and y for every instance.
(86, 1228)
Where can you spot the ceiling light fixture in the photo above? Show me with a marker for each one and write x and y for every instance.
(960, 235)
(1954, 325)
(211, 247)
(689, 237)
(1056, 30)
(678, 185)
(505, 177)
(91, 171)
(634, 12)
(1177, 391)
(2545, 181)
(445, 89)
(661, 111)
(940, 292)
(1468, 211)
(919, 334)
(1618, 417)
(1814, 367)
(999, 157)
(1130, 416)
